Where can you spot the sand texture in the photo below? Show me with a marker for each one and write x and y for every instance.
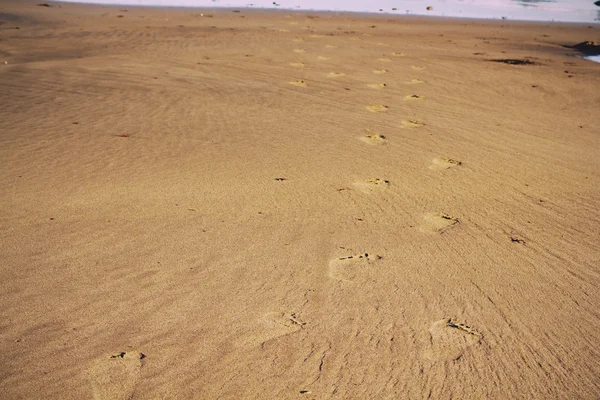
(209, 204)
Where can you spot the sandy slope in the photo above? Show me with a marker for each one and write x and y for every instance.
(436, 236)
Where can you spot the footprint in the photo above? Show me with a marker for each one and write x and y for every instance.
(412, 123)
(373, 138)
(411, 97)
(415, 81)
(398, 54)
(294, 23)
(350, 268)
(335, 74)
(378, 108)
(116, 376)
(418, 67)
(380, 71)
(382, 44)
(297, 64)
(330, 46)
(377, 85)
(283, 30)
(384, 60)
(299, 51)
(273, 325)
(299, 82)
(317, 36)
(298, 40)
(449, 339)
(372, 185)
(323, 58)
(437, 222)
(444, 163)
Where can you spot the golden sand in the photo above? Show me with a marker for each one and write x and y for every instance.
(191, 209)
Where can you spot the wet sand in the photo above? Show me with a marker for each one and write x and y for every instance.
(203, 204)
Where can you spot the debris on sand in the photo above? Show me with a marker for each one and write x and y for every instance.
(587, 48)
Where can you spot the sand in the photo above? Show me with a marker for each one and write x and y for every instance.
(207, 204)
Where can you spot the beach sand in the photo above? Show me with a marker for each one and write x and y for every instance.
(210, 204)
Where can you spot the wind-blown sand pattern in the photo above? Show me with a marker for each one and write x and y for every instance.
(178, 217)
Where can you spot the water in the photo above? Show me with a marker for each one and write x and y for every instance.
(532, 10)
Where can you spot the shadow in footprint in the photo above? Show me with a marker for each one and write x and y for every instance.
(116, 376)
(351, 268)
(299, 82)
(412, 123)
(373, 138)
(437, 223)
(439, 164)
(449, 340)
(378, 108)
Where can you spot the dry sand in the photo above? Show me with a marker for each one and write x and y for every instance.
(406, 220)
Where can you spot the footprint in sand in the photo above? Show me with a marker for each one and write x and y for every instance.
(323, 58)
(115, 376)
(415, 81)
(398, 54)
(377, 85)
(412, 123)
(384, 60)
(299, 82)
(298, 40)
(350, 268)
(317, 36)
(300, 51)
(412, 97)
(380, 71)
(335, 74)
(449, 340)
(277, 324)
(444, 163)
(297, 64)
(378, 108)
(373, 138)
(294, 23)
(372, 185)
(418, 67)
(330, 46)
(437, 223)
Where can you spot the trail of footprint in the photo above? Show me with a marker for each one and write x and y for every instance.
(398, 54)
(412, 123)
(377, 85)
(449, 340)
(418, 67)
(415, 81)
(299, 51)
(351, 268)
(115, 376)
(335, 74)
(412, 97)
(378, 108)
(297, 64)
(298, 40)
(380, 71)
(299, 82)
(444, 163)
(373, 138)
(437, 223)
(372, 185)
